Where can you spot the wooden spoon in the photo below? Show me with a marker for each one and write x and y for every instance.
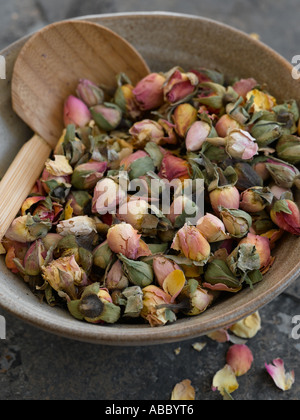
(46, 72)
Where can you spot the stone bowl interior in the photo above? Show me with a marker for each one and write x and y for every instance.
(164, 40)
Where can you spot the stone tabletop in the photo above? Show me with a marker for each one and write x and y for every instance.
(37, 365)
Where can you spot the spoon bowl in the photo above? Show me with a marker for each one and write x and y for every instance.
(46, 72)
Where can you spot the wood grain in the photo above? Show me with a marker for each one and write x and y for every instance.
(51, 63)
(20, 178)
(46, 72)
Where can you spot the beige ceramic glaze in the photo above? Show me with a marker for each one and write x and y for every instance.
(164, 40)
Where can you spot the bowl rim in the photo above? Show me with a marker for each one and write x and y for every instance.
(143, 335)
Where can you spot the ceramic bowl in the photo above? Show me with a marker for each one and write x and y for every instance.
(165, 40)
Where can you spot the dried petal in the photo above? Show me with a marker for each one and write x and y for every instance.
(174, 283)
(183, 391)
(283, 380)
(225, 381)
(247, 327)
(240, 358)
(59, 167)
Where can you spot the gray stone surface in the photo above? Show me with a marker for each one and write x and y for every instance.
(37, 365)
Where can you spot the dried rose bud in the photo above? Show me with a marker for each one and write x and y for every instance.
(146, 131)
(261, 101)
(149, 92)
(256, 199)
(197, 135)
(133, 213)
(108, 195)
(266, 132)
(35, 259)
(218, 276)
(241, 145)
(102, 255)
(95, 306)
(86, 176)
(173, 167)
(261, 170)
(134, 301)
(50, 182)
(179, 85)
(244, 86)
(208, 75)
(181, 209)
(228, 197)
(283, 174)
(288, 149)
(138, 273)
(76, 112)
(51, 240)
(262, 247)
(126, 101)
(199, 299)
(247, 327)
(286, 215)
(115, 278)
(64, 275)
(108, 116)
(27, 229)
(283, 380)
(162, 267)
(124, 239)
(78, 226)
(89, 93)
(212, 228)
(138, 164)
(185, 115)
(226, 124)
(225, 382)
(192, 244)
(240, 358)
(154, 298)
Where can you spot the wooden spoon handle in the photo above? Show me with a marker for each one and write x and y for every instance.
(20, 178)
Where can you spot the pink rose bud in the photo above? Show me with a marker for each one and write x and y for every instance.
(212, 228)
(179, 85)
(286, 215)
(262, 246)
(76, 112)
(226, 124)
(162, 267)
(86, 176)
(241, 145)
(149, 92)
(145, 131)
(243, 86)
(197, 135)
(256, 199)
(228, 197)
(133, 213)
(124, 239)
(240, 358)
(89, 93)
(116, 280)
(107, 116)
(126, 162)
(192, 244)
(173, 167)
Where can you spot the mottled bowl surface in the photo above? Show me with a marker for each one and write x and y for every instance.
(165, 40)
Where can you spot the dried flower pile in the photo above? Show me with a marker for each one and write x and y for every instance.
(86, 240)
